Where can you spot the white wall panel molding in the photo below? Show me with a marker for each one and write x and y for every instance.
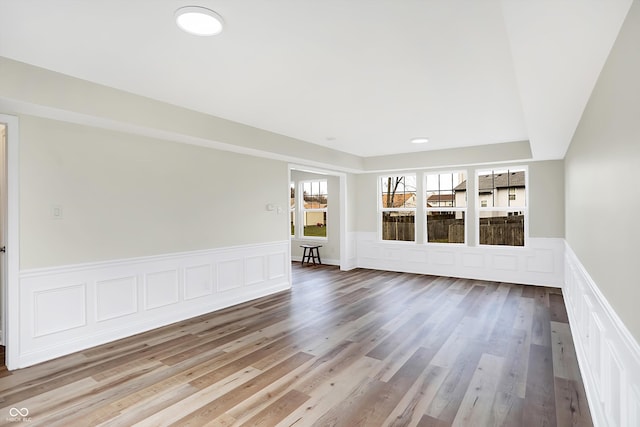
(59, 309)
(351, 258)
(230, 274)
(276, 264)
(116, 297)
(540, 263)
(161, 288)
(198, 281)
(254, 270)
(70, 308)
(608, 355)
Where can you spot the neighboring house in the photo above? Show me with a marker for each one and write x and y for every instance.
(499, 190)
(444, 201)
(440, 200)
(400, 200)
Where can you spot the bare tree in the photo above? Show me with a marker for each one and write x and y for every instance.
(393, 182)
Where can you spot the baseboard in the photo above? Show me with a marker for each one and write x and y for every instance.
(327, 261)
(71, 308)
(608, 355)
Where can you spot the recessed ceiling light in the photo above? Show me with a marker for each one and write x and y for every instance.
(419, 140)
(199, 21)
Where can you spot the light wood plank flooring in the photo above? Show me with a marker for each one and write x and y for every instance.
(358, 348)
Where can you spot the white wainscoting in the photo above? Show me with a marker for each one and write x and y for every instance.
(351, 251)
(608, 355)
(70, 308)
(540, 263)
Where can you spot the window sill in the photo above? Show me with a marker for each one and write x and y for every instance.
(446, 245)
(399, 242)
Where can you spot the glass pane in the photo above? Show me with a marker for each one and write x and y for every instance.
(502, 228)
(315, 224)
(314, 194)
(433, 182)
(445, 227)
(399, 225)
(292, 218)
(292, 195)
(502, 188)
(398, 191)
(446, 182)
(446, 189)
(322, 191)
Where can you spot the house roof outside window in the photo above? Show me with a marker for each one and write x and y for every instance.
(500, 180)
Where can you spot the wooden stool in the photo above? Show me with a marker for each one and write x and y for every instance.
(311, 253)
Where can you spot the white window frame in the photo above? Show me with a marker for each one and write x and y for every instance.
(302, 210)
(508, 209)
(427, 209)
(382, 209)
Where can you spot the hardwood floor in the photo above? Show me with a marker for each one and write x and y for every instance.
(358, 348)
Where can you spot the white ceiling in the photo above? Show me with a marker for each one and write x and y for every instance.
(360, 76)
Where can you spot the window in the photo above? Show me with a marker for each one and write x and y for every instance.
(314, 208)
(397, 202)
(292, 207)
(502, 207)
(446, 207)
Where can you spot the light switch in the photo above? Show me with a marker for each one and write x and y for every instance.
(56, 212)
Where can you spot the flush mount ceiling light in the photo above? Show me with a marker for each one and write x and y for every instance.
(199, 21)
(419, 140)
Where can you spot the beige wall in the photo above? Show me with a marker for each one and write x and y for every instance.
(125, 196)
(602, 192)
(546, 199)
(546, 196)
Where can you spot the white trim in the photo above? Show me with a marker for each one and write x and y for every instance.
(10, 298)
(299, 231)
(325, 261)
(120, 298)
(382, 209)
(425, 209)
(344, 243)
(608, 355)
(540, 263)
(4, 225)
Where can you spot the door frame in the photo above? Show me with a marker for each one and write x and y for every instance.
(344, 242)
(11, 274)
